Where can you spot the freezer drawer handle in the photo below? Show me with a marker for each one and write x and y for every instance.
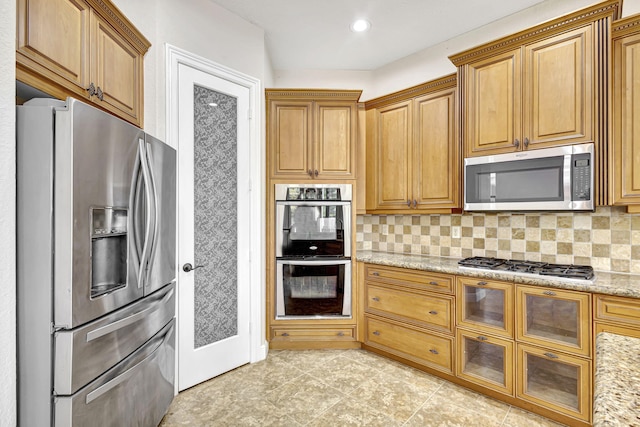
(112, 327)
(124, 376)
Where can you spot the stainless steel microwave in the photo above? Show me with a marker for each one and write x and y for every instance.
(548, 179)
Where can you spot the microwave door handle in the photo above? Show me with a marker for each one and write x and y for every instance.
(566, 176)
(492, 189)
(132, 220)
(154, 215)
(148, 225)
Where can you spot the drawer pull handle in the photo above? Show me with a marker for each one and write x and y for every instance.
(433, 312)
(550, 293)
(340, 334)
(376, 333)
(433, 283)
(375, 273)
(376, 299)
(551, 355)
(482, 283)
(482, 338)
(285, 334)
(433, 351)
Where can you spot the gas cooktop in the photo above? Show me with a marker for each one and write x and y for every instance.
(565, 271)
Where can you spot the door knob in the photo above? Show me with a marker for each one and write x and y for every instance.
(188, 267)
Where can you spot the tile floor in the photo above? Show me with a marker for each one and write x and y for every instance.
(337, 388)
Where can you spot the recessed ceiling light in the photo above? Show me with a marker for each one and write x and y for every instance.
(360, 25)
(213, 104)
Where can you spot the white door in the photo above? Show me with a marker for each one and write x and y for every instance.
(213, 226)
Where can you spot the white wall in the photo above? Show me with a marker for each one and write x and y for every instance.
(197, 26)
(7, 214)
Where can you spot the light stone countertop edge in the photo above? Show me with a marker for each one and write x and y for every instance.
(617, 284)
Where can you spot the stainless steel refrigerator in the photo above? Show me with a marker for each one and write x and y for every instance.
(96, 243)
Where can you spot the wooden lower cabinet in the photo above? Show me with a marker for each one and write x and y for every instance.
(485, 360)
(418, 345)
(304, 337)
(555, 380)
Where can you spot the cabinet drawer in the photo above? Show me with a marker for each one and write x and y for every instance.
(410, 278)
(485, 305)
(614, 329)
(411, 343)
(313, 334)
(616, 309)
(430, 311)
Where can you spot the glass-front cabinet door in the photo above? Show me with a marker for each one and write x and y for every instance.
(554, 318)
(555, 380)
(485, 305)
(485, 360)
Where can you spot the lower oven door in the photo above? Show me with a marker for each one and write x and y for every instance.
(313, 289)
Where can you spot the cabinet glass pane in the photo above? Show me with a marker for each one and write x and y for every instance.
(551, 318)
(552, 381)
(485, 360)
(484, 305)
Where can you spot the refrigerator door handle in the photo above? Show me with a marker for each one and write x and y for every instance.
(154, 214)
(148, 226)
(133, 214)
(126, 374)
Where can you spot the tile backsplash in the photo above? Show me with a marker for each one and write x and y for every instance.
(607, 239)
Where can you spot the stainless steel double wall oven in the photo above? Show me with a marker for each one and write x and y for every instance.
(313, 250)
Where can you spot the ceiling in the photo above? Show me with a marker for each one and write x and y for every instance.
(315, 34)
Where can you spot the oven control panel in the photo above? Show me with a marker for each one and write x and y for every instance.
(313, 193)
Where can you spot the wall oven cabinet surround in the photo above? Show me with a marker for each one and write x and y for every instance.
(413, 151)
(312, 134)
(625, 173)
(544, 86)
(89, 51)
(558, 178)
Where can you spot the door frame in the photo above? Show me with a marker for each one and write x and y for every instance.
(174, 58)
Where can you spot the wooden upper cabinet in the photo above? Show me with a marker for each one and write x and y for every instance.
(53, 40)
(85, 49)
(117, 69)
(312, 134)
(625, 174)
(413, 150)
(542, 87)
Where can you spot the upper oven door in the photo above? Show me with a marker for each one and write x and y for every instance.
(548, 179)
(313, 228)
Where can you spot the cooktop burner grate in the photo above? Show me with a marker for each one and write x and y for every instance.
(582, 272)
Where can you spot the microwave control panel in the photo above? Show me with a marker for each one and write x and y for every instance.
(581, 176)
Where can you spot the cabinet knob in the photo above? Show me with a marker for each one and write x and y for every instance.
(433, 283)
(315, 172)
(409, 203)
(482, 338)
(99, 93)
(415, 203)
(309, 173)
(433, 351)
(376, 299)
(516, 143)
(91, 89)
(550, 293)
(375, 273)
(340, 334)
(482, 283)
(285, 334)
(433, 312)
(551, 355)
(376, 333)
(526, 142)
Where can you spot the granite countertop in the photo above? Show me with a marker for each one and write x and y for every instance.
(619, 284)
(617, 381)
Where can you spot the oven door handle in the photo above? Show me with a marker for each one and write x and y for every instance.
(319, 262)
